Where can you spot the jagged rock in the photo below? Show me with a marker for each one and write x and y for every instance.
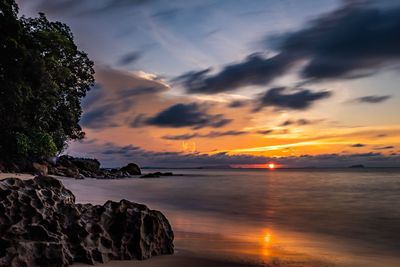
(40, 169)
(132, 169)
(40, 225)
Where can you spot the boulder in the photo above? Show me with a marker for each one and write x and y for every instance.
(39, 168)
(41, 225)
(89, 165)
(132, 169)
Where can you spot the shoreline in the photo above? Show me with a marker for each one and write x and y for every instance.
(203, 248)
(179, 259)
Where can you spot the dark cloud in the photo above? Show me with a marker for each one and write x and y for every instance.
(121, 150)
(372, 99)
(265, 132)
(129, 58)
(299, 99)
(238, 103)
(358, 145)
(141, 91)
(384, 147)
(254, 70)
(100, 117)
(185, 115)
(356, 40)
(299, 122)
(166, 14)
(212, 134)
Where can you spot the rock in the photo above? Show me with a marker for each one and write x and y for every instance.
(357, 166)
(41, 225)
(90, 165)
(156, 174)
(132, 169)
(40, 169)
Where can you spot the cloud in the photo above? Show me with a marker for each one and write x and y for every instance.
(212, 134)
(265, 132)
(358, 145)
(100, 117)
(117, 95)
(372, 99)
(113, 155)
(166, 14)
(355, 40)
(300, 99)
(384, 147)
(129, 58)
(238, 103)
(299, 122)
(186, 115)
(121, 150)
(87, 7)
(254, 70)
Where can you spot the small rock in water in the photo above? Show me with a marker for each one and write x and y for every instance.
(131, 168)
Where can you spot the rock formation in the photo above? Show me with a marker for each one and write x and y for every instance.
(132, 169)
(68, 166)
(41, 225)
(80, 168)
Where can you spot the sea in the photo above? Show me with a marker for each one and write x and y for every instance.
(281, 217)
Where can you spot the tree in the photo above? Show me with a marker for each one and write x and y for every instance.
(43, 77)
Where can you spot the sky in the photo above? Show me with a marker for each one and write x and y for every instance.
(236, 82)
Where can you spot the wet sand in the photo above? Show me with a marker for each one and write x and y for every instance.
(176, 261)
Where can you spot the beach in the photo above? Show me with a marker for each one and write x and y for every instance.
(262, 218)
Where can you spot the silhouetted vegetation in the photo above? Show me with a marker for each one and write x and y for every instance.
(43, 77)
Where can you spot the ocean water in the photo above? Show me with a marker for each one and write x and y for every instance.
(348, 217)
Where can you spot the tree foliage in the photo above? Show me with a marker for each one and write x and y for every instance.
(43, 77)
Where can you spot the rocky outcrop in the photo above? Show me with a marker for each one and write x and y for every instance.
(68, 166)
(132, 169)
(80, 168)
(41, 225)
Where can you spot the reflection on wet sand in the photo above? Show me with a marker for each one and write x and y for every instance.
(283, 218)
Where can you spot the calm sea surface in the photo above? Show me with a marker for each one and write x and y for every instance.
(287, 217)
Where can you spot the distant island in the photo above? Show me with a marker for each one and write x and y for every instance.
(357, 166)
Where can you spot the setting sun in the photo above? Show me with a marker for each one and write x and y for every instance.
(271, 166)
(267, 238)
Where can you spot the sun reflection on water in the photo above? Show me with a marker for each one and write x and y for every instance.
(266, 243)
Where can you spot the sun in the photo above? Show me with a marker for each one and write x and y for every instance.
(271, 166)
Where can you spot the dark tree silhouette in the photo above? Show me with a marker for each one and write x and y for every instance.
(43, 77)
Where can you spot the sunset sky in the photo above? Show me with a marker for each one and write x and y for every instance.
(212, 82)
